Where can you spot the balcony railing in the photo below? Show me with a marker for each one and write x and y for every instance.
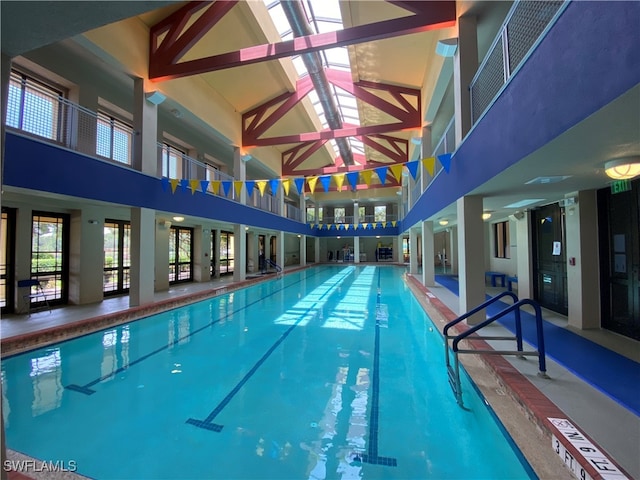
(526, 23)
(62, 122)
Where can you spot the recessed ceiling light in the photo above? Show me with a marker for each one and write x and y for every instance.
(545, 180)
(524, 203)
(178, 219)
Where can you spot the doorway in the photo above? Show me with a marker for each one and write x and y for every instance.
(549, 251)
(619, 227)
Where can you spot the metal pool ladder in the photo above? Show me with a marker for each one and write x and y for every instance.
(453, 371)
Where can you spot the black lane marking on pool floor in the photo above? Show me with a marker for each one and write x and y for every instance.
(89, 391)
(372, 453)
(207, 422)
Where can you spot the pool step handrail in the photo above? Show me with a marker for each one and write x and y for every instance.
(453, 372)
(273, 265)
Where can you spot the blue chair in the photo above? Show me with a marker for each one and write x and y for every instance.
(35, 294)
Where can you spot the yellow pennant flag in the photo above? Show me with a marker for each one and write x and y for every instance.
(396, 170)
(194, 185)
(429, 164)
(312, 183)
(339, 178)
(174, 184)
(320, 226)
(262, 184)
(393, 223)
(366, 176)
(237, 186)
(215, 186)
(354, 226)
(286, 184)
(365, 225)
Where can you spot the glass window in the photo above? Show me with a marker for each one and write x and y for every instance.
(339, 214)
(180, 254)
(501, 240)
(380, 213)
(49, 254)
(117, 257)
(34, 107)
(172, 161)
(114, 139)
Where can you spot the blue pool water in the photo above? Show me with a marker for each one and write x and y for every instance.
(330, 372)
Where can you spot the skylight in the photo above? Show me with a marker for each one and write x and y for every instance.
(324, 16)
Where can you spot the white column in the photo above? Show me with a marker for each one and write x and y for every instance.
(252, 252)
(24, 227)
(201, 260)
(161, 254)
(145, 124)
(86, 260)
(524, 255)
(428, 255)
(316, 248)
(413, 252)
(239, 174)
(452, 245)
(471, 255)
(465, 65)
(583, 281)
(397, 249)
(280, 249)
(142, 273)
(356, 249)
(216, 252)
(239, 252)
(303, 250)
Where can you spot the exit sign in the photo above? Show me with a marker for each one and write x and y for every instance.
(620, 186)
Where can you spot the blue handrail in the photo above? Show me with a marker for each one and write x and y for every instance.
(454, 372)
(477, 309)
(515, 307)
(273, 264)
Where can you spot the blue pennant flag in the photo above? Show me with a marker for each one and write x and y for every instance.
(204, 184)
(249, 185)
(352, 178)
(273, 183)
(413, 168)
(165, 183)
(299, 184)
(382, 174)
(184, 183)
(445, 160)
(226, 186)
(325, 180)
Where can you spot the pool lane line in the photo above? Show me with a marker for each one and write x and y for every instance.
(207, 422)
(86, 387)
(372, 452)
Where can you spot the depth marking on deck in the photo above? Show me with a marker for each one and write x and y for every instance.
(372, 453)
(89, 391)
(214, 427)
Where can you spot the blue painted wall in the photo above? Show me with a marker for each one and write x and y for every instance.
(590, 57)
(37, 165)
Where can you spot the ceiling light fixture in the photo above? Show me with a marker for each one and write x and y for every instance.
(486, 215)
(443, 222)
(178, 219)
(623, 168)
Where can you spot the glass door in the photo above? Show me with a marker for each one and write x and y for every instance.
(550, 285)
(619, 227)
(117, 257)
(7, 232)
(226, 252)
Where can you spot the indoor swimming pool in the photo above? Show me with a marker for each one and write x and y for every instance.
(328, 372)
